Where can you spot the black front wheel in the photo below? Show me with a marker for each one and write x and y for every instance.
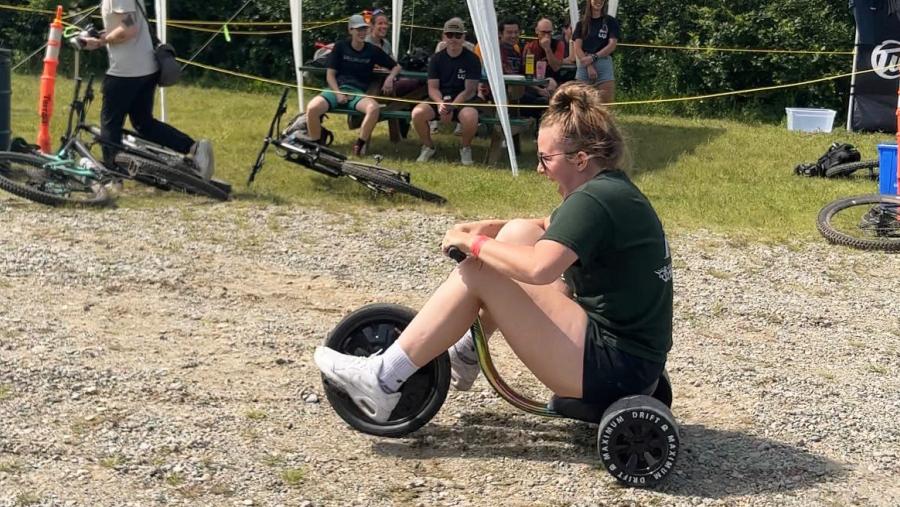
(40, 180)
(374, 328)
(387, 181)
(867, 222)
(168, 178)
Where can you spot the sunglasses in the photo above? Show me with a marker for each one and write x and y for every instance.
(548, 32)
(544, 158)
(453, 35)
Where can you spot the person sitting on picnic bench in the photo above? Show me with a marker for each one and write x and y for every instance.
(548, 50)
(349, 72)
(379, 25)
(510, 51)
(453, 76)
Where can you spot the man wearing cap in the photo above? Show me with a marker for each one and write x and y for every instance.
(349, 72)
(453, 76)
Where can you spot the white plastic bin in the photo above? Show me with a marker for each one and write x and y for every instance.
(809, 119)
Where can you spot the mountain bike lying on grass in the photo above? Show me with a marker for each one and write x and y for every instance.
(638, 439)
(840, 160)
(323, 160)
(867, 222)
(74, 176)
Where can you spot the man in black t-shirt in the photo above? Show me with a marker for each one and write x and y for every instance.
(349, 73)
(453, 76)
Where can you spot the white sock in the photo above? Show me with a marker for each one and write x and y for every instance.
(396, 367)
(465, 348)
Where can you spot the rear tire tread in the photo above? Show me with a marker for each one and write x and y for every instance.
(832, 235)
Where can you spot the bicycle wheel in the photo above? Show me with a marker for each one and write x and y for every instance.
(174, 160)
(31, 177)
(168, 178)
(383, 180)
(867, 222)
(848, 169)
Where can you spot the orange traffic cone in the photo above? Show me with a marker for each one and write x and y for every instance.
(48, 80)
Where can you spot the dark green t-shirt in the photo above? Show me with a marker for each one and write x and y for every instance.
(623, 275)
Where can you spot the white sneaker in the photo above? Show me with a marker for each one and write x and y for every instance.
(433, 125)
(463, 369)
(458, 130)
(202, 154)
(426, 153)
(465, 155)
(358, 377)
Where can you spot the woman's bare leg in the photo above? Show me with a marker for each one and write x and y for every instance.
(372, 111)
(517, 232)
(542, 325)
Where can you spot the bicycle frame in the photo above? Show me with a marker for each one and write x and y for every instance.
(71, 142)
(306, 153)
(62, 160)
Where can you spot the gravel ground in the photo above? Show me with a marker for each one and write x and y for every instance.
(163, 357)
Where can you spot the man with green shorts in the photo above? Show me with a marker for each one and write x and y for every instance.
(349, 73)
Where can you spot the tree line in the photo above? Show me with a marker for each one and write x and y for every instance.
(641, 73)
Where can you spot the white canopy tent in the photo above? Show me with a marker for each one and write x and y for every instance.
(484, 22)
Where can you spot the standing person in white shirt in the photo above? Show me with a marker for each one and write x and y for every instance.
(130, 84)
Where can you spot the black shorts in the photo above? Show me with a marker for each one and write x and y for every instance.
(610, 374)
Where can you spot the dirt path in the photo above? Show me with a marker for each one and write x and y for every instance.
(163, 357)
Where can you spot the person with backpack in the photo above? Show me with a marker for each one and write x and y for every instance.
(349, 74)
(130, 85)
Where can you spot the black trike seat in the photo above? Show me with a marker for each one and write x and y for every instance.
(576, 408)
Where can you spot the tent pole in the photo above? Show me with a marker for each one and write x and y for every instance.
(396, 20)
(852, 84)
(573, 13)
(161, 16)
(484, 20)
(297, 40)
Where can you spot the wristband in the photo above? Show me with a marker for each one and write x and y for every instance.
(476, 245)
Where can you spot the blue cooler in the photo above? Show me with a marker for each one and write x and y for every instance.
(887, 169)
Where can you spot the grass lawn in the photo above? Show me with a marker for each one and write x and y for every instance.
(719, 175)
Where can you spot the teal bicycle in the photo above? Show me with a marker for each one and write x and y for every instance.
(73, 176)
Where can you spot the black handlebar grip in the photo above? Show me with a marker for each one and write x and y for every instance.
(456, 254)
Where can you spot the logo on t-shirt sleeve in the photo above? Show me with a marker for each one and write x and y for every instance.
(665, 273)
